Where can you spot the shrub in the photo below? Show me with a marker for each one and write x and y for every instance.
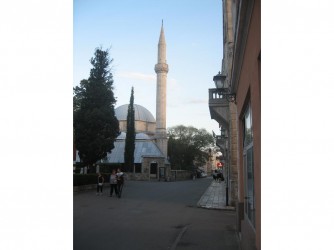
(77, 170)
(88, 179)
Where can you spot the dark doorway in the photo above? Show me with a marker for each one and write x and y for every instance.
(153, 170)
(162, 173)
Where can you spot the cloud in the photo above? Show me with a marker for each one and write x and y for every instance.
(177, 103)
(137, 76)
(172, 84)
(196, 101)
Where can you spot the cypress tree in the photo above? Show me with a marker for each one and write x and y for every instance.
(130, 136)
(95, 124)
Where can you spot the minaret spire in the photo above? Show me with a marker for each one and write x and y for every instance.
(161, 68)
(162, 46)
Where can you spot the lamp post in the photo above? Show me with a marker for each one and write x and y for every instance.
(224, 135)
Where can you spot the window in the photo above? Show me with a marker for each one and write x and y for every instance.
(154, 167)
(137, 167)
(248, 165)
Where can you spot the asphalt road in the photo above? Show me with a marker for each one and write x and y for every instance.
(151, 215)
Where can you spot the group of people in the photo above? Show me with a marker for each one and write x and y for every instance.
(116, 181)
(218, 175)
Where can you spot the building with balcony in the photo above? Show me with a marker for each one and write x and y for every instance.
(240, 117)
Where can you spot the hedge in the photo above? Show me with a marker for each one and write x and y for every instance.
(88, 179)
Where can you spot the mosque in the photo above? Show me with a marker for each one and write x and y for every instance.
(150, 161)
(150, 156)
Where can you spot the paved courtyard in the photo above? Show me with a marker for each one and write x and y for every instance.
(153, 215)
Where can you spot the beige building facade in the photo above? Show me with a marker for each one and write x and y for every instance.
(241, 118)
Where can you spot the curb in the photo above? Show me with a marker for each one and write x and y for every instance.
(225, 208)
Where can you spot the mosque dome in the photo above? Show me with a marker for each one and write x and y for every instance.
(141, 113)
(144, 120)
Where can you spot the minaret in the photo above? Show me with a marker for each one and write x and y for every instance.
(161, 68)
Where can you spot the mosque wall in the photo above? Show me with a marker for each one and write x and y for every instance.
(122, 126)
(141, 126)
(151, 127)
(146, 170)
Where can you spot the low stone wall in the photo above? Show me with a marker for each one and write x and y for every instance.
(137, 176)
(180, 175)
(176, 175)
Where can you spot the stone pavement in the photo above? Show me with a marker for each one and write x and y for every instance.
(215, 197)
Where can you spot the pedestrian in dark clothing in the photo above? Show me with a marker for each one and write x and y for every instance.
(113, 183)
(215, 175)
(100, 181)
(120, 182)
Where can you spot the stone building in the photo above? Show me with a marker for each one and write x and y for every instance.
(237, 108)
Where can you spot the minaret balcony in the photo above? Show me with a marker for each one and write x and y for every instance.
(161, 68)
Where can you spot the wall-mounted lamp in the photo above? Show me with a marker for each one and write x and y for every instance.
(221, 84)
(224, 133)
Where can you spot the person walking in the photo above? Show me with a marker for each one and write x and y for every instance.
(113, 183)
(100, 181)
(120, 182)
(219, 176)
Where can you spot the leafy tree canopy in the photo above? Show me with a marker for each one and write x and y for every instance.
(188, 146)
(95, 124)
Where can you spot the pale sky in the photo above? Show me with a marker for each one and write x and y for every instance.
(131, 29)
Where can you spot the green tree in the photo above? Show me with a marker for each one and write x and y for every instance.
(95, 124)
(130, 136)
(188, 146)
